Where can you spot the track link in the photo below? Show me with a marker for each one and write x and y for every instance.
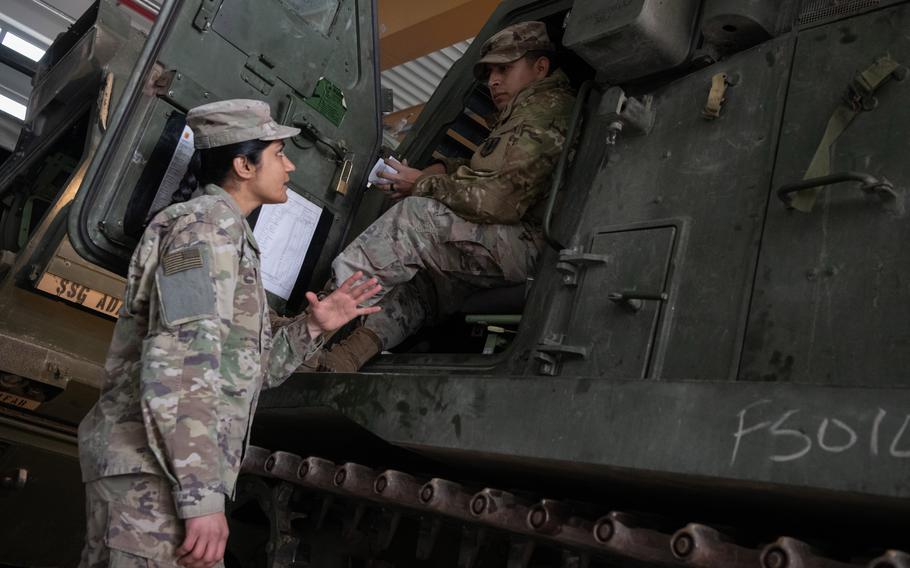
(621, 538)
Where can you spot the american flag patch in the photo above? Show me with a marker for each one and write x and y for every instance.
(181, 260)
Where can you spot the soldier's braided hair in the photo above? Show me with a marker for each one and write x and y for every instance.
(212, 165)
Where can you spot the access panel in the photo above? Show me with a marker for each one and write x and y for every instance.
(619, 303)
(830, 303)
(713, 174)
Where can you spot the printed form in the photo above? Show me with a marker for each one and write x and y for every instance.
(284, 233)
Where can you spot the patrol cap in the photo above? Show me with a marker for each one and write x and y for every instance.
(235, 120)
(512, 43)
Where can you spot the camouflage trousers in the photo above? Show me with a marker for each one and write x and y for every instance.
(429, 260)
(131, 522)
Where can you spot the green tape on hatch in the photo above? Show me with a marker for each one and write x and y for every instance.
(328, 100)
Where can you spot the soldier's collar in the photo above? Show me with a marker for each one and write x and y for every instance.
(555, 79)
(214, 190)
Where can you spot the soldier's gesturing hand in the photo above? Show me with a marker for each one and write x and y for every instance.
(206, 537)
(342, 305)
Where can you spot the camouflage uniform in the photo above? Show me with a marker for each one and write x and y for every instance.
(477, 226)
(190, 352)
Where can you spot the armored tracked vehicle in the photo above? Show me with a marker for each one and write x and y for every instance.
(710, 367)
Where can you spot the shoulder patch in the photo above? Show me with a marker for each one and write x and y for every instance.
(186, 289)
(181, 260)
(489, 146)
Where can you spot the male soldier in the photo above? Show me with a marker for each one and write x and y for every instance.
(465, 225)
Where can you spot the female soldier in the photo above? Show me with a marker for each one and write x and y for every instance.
(161, 449)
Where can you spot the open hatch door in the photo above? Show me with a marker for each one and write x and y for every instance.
(313, 61)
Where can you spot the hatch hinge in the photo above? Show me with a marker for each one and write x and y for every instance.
(206, 15)
(551, 351)
(572, 260)
(259, 72)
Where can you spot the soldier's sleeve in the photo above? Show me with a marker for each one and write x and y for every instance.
(291, 347)
(504, 195)
(452, 164)
(191, 411)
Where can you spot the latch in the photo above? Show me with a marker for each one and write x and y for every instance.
(551, 351)
(633, 300)
(259, 72)
(206, 15)
(309, 130)
(572, 260)
(627, 115)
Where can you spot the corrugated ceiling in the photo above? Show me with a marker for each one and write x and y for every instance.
(413, 82)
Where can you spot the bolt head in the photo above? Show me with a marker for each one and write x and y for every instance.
(381, 484)
(603, 531)
(426, 493)
(478, 504)
(775, 558)
(340, 476)
(537, 518)
(683, 545)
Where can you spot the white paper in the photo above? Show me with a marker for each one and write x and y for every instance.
(381, 166)
(284, 233)
(176, 169)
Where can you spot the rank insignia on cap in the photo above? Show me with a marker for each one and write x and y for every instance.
(181, 260)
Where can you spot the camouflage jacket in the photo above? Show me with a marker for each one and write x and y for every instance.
(511, 170)
(190, 352)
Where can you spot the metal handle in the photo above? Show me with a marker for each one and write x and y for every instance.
(633, 300)
(561, 164)
(870, 184)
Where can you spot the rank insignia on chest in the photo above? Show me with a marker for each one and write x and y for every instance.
(489, 146)
(181, 260)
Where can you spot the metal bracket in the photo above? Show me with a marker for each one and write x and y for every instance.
(574, 559)
(15, 480)
(389, 522)
(428, 534)
(551, 351)
(206, 15)
(520, 552)
(258, 71)
(571, 260)
(473, 540)
(624, 114)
